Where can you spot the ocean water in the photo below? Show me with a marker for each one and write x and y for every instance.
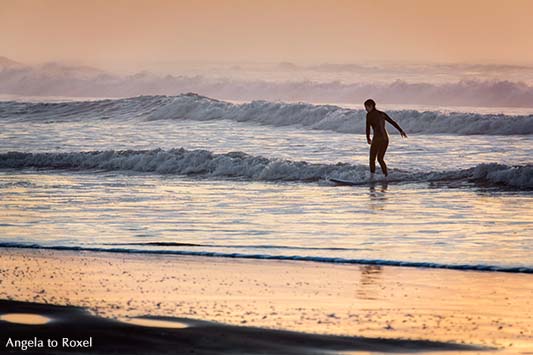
(192, 175)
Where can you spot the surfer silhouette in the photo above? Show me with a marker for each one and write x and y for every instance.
(380, 139)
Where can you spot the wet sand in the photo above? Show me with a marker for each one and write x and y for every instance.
(361, 304)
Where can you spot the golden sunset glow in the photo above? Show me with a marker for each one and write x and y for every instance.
(133, 34)
(266, 177)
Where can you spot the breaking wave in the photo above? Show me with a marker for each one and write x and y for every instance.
(277, 114)
(242, 166)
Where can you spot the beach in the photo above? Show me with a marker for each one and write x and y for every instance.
(490, 311)
(186, 224)
(266, 177)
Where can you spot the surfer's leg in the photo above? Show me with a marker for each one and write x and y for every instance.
(373, 154)
(381, 156)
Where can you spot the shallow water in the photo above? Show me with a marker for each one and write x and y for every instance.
(410, 223)
(148, 205)
(419, 152)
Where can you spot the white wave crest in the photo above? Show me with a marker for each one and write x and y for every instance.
(334, 118)
(277, 114)
(248, 167)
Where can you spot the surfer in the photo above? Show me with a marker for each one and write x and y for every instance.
(380, 140)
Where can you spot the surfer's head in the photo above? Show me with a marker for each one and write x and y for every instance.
(370, 105)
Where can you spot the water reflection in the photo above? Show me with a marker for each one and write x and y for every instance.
(24, 318)
(377, 193)
(155, 322)
(403, 222)
(382, 186)
(368, 286)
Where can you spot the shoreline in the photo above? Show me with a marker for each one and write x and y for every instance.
(485, 309)
(312, 259)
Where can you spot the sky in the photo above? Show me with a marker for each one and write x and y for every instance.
(132, 35)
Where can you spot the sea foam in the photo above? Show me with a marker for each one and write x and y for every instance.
(242, 166)
(276, 114)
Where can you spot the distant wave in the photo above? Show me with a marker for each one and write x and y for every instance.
(58, 80)
(321, 259)
(242, 166)
(277, 114)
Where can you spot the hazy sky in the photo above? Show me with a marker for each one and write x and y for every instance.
(131, 34)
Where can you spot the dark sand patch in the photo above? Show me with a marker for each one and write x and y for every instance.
(115, 337)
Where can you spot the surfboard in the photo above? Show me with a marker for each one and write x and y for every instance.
(348, 182)
(342, 182)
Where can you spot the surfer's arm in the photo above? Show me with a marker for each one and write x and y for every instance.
(368, 131)
(396, 125)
